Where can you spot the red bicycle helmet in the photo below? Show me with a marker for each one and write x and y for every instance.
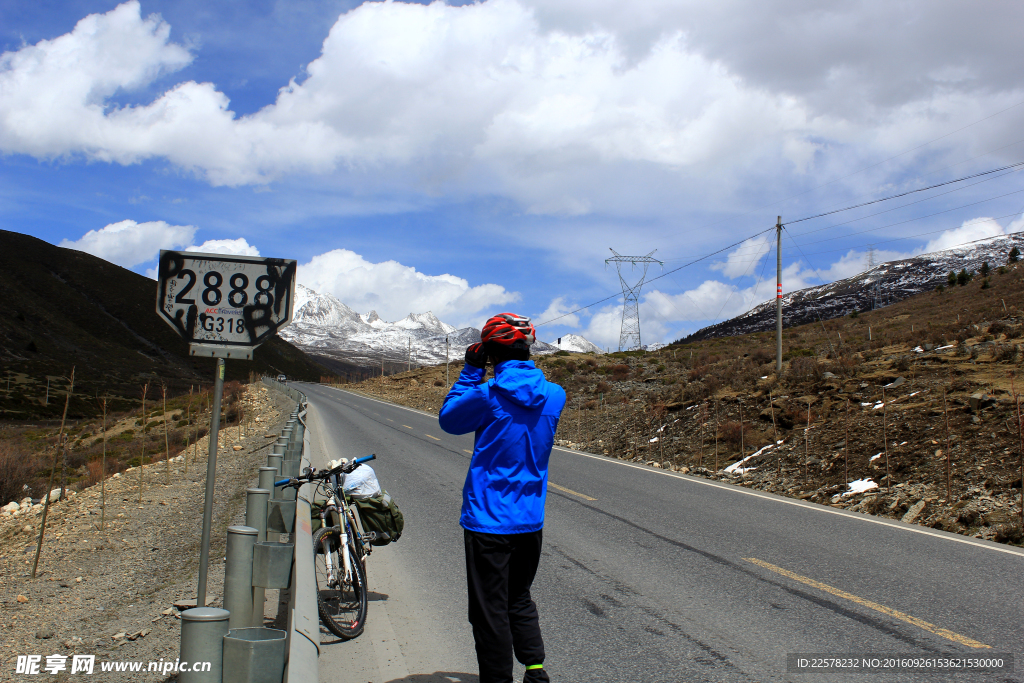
(507, 329)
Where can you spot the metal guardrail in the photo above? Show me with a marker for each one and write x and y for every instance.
(233, 640)
(303, 644)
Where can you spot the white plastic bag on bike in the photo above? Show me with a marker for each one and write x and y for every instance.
(361, 482)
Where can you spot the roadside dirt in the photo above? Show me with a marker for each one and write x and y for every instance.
(110, 593)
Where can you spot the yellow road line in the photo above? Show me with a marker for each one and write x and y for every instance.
(920, 623)
(465, 451)
(389, 419)
(570, 491)
(431, 437)
(407, 426)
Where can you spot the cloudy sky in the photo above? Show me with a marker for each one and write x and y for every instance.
(470, 158)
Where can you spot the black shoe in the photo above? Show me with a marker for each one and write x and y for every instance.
(537, 675)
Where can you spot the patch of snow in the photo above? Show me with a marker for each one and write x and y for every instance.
(875, 457)
(654, 440)
(878, 405)
(737, 466)
(918, 349)
(860, 486)
(904, 443)
(943, 348)
(865, 405)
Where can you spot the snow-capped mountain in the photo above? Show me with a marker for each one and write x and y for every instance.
(576, 344)
(325, 328)
(884, 284)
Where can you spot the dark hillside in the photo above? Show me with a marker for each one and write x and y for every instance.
(61, 308)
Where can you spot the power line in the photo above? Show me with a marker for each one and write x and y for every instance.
(666, 273)
(908, 192)
(925, 234)
(911, 220)
(828, 213)
(903, 206)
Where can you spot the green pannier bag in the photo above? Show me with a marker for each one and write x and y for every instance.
(381, 514)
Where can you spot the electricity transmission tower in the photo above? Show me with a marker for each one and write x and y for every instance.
(874, 282)
(629, 335)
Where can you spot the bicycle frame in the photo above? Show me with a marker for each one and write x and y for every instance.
(338, 509)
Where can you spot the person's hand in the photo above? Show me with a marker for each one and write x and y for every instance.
(476, 356)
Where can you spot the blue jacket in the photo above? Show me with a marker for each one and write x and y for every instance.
(514, 416)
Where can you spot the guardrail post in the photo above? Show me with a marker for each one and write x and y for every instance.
(256, 517)
(238, 575)
(274, 460)
(202, 632)
(267, 479)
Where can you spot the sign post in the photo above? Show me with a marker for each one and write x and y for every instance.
(224, 307)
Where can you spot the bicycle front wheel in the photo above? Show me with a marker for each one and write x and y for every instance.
(341, 596)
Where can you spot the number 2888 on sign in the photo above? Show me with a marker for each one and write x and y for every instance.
(225, 299)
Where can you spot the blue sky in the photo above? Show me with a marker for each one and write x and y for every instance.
(481, 157)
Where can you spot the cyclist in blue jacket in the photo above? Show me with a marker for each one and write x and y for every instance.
(514, 416)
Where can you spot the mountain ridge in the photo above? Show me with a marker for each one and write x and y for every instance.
(351, 343)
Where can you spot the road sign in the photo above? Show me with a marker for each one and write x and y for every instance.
(224, 306)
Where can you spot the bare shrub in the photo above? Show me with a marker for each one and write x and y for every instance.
(730, 432)
(902, 363)
(438, 383)
(803, 367)
(997, 328)
(761, 356)
(620, 372)
(602, 387)
(1006, 353)
(694, 391)
(96, 471)
(590, 405)
(16, 468)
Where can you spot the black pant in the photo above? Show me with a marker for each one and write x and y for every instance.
(500, 570)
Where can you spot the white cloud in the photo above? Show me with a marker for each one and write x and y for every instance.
(970, 231)
(604, 327)
(560, 310)
(236, 247)
(566, 106)
(128, 243)
(395, 290)
(744, 259)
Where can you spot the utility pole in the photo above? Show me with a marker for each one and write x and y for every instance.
(778, 297)
(409, 364)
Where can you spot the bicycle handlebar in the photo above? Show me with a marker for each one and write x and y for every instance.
(312, 474)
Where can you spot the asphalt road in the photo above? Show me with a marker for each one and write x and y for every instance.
(650, 575)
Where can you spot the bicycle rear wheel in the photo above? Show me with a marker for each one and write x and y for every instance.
(341, 599)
